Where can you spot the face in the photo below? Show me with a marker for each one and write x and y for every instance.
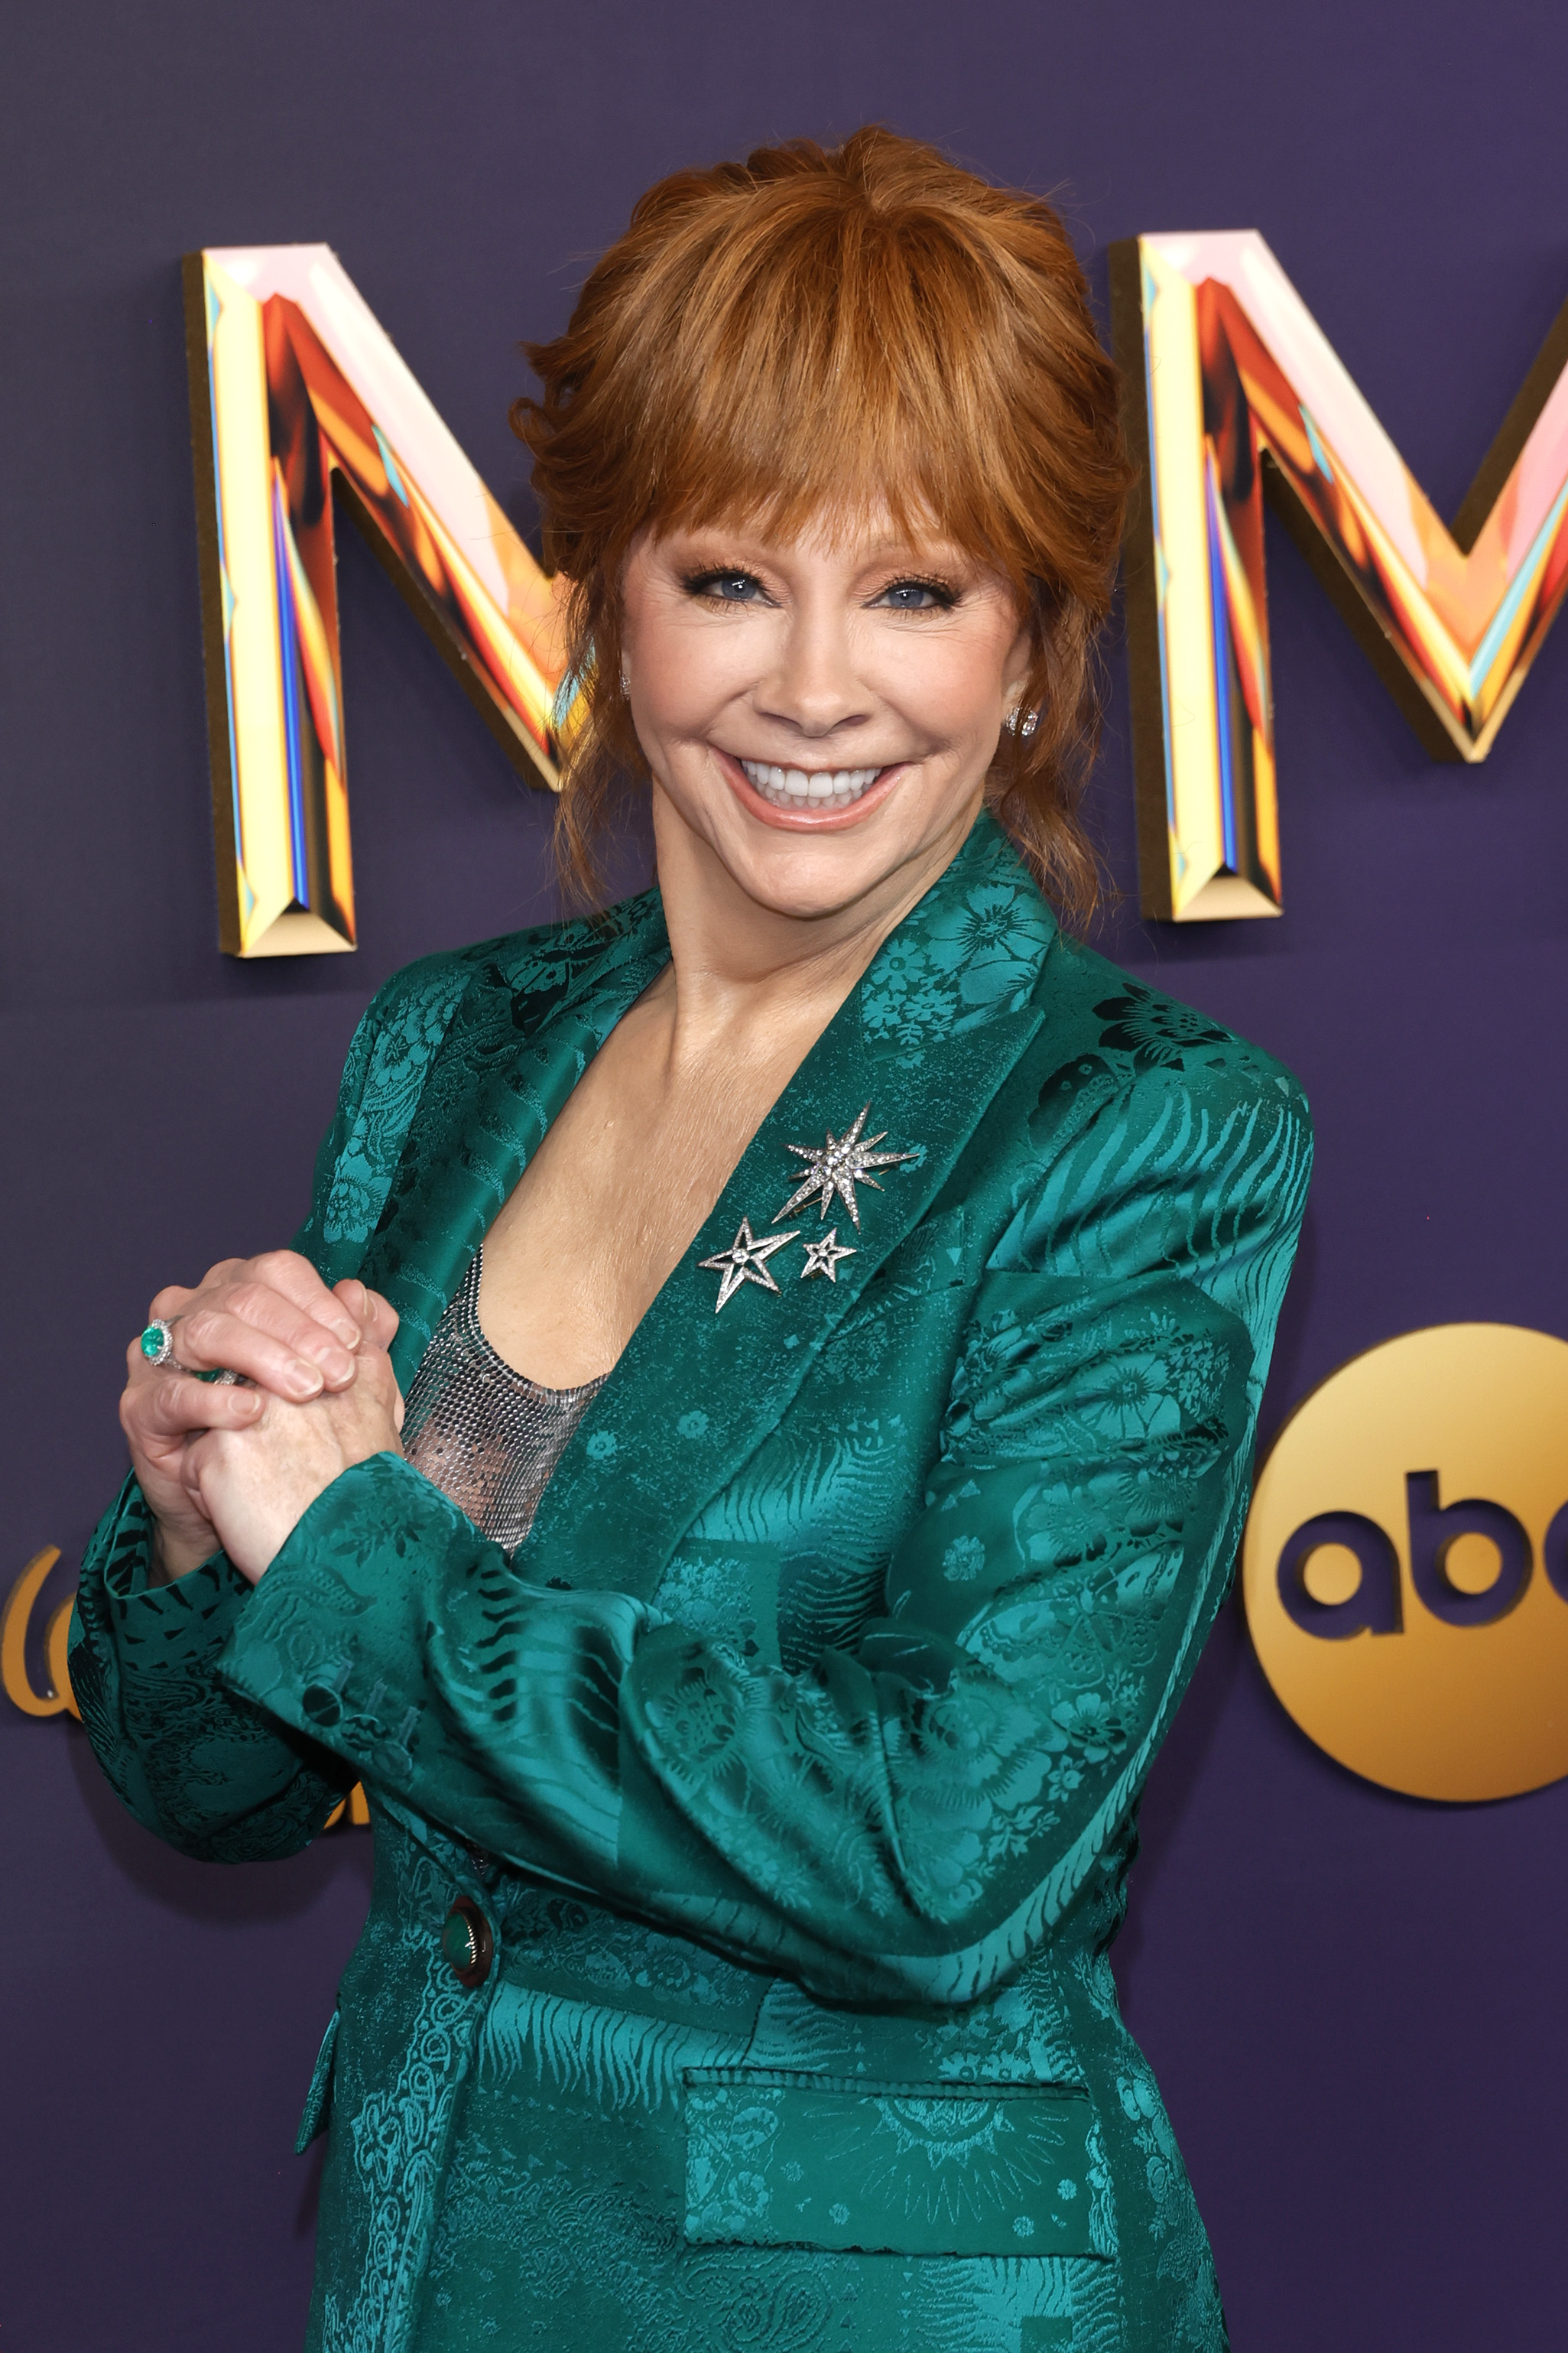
(819, 715)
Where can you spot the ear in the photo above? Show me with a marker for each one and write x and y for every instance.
(1015, 668)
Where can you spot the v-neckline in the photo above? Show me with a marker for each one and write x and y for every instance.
(927, 1036)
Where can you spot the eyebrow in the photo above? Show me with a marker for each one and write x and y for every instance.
(740, 543)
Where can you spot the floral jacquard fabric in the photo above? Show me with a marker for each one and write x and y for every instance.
(978, 955)
(794, 1760)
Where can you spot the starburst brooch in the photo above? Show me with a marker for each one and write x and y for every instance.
(843, 1162)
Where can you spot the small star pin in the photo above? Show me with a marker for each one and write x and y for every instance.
(843, 1163)
(822, 1257)
(746, 1260)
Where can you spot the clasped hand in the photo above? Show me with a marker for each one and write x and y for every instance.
(237, 1466)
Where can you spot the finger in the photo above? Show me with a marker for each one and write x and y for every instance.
(387, 1319)
(288, 1273)
(195, 1457)
(171, 1301)
(284, 1272)
(170, 1405)
(281, 1293)
(378, 1319)
(254, 1330)
(377, 1384)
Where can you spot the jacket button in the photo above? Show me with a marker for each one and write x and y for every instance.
(467, 1944)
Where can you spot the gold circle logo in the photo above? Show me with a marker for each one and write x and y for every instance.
(1405, 1565)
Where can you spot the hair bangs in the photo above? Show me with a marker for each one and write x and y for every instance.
(821, 390)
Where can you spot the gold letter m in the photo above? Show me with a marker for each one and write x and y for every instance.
(296, 387)
(1231, 385)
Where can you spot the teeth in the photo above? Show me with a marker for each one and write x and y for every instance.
(795, 788)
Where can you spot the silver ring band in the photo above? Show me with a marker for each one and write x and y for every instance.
(158, 1348)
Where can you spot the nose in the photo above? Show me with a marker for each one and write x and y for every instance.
(813, 686)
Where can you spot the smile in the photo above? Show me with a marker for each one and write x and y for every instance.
(801, 788)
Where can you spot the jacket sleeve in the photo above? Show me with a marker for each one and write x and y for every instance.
(903, 1819)
(196, 1762)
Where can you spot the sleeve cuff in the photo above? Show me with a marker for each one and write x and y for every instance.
(325, 1603)
(173, 1624)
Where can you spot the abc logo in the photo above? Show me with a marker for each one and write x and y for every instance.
(1405, 1565)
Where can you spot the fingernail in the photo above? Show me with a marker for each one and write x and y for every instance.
(304, 1380)
(325, 1352)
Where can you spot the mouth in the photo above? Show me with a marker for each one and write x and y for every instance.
(809, 792)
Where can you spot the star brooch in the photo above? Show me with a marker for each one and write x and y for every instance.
(822, 1257)
(844, 1162)
(746, 1260)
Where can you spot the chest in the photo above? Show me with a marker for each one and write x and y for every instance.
(603, 1212)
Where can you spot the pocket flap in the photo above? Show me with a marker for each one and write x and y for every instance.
(785, 2159)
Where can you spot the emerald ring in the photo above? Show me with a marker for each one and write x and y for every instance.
(157, 1345)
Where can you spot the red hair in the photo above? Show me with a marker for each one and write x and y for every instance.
(814, 331)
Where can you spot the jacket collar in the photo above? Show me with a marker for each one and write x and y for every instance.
(528, 1026)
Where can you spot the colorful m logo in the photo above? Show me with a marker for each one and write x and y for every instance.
(297, 388)
(1232, 388)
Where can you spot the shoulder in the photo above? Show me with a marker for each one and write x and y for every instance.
(457, 1001)
(1150, 1133)
(1108, 1037)
(534, 968)
(437, 1017)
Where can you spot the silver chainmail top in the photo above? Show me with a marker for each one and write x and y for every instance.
(485, 1435)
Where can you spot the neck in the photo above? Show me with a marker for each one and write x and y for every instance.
(740, 970)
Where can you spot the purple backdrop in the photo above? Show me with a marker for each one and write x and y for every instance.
(1354, 2002)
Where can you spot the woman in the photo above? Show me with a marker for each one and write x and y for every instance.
(833, 1305)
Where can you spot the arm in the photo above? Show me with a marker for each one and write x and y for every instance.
(130, 1631)
(195, 1762)
(905, 1820)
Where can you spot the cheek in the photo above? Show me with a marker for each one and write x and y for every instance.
(681, 696)
(682, 677)
(950, 687)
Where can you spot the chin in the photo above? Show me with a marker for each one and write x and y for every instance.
(813, 875)
(803, 883)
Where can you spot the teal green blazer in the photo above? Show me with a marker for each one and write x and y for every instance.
(789, 1771)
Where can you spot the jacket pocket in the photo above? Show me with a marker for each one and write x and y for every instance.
(319, 2098)
(783, 2159)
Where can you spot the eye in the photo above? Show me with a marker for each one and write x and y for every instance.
(916, 596)
(726, 587)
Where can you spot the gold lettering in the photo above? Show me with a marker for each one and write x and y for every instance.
(1465, 1415)
(356, 1805)
(14, 1625)
(1232, 389)
(298, 391)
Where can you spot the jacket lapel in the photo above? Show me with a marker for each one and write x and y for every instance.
(924, 1041)
(526, 1030)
